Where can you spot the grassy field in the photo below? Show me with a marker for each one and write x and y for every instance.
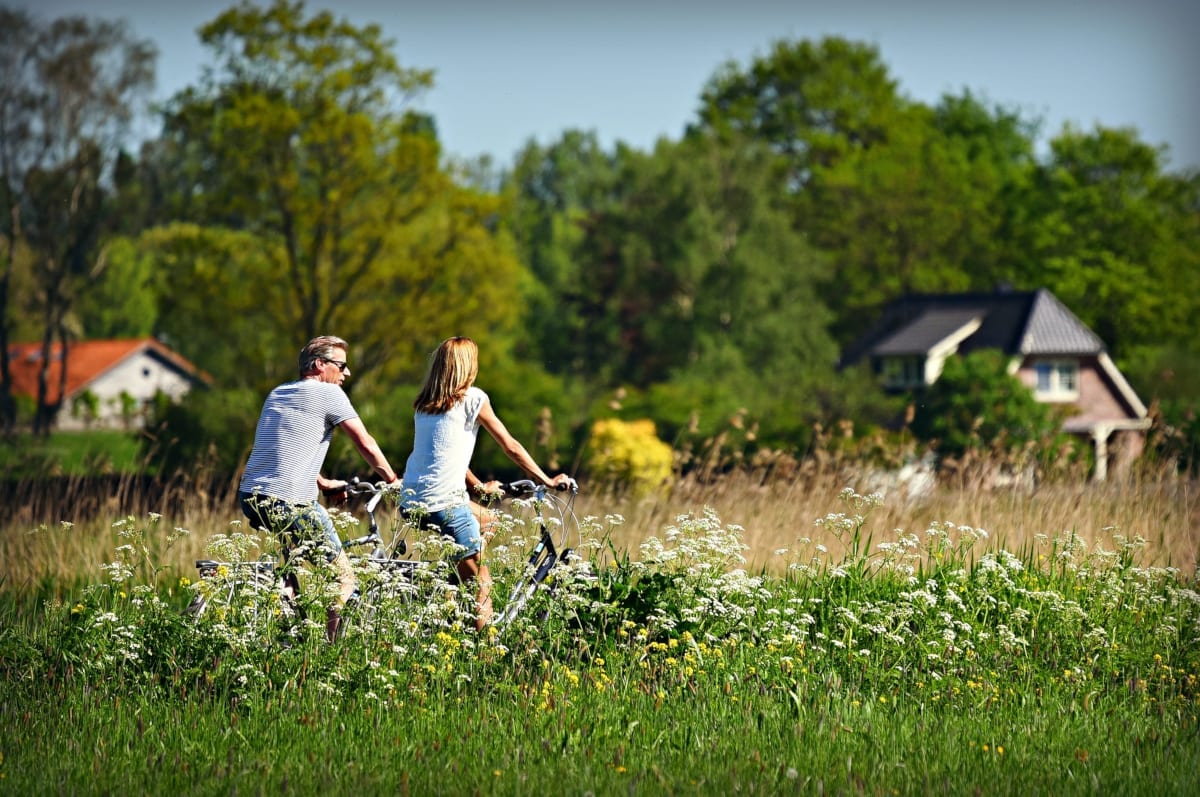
(733, 637)
(70, 454)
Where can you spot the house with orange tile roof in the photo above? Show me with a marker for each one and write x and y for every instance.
(109, 383)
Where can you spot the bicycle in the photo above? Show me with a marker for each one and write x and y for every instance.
(389, 579)
(395, 577)
(257, 593)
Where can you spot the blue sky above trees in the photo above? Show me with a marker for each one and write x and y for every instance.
(633, 71)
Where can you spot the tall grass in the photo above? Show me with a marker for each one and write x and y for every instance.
(913, 666)
(775, 513)
(57, 535)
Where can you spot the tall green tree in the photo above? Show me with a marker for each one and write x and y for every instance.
(68, 90)
(899, 196)
(814, 102)
(552, 192)
(297, 143)
(1118, 239)
(687, 270)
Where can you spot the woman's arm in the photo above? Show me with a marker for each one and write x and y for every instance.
(513, 449)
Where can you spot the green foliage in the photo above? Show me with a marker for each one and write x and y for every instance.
(86, 406)
(84, 453)
(124, 302)
(681, 280)
(219, 306)
(1111, 231)
(1169, 376)
(977, 405)
(322, 208)
(71, 88)
(814, 102)
(207, 431)
(628, 454)
(294, 192)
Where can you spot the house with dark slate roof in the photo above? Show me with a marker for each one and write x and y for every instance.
(1052, 352)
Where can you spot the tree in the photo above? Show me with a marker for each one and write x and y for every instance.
(552, 191)
(900, 197)
(68, 90)
(934, 207)
(976, 405)
(1118, 240)
(124, 303)
(685, 269)
(814, 102)
(296, 146)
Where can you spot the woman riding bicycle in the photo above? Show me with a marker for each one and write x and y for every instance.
(438, 480)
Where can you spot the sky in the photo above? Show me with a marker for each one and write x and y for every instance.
(506, 73)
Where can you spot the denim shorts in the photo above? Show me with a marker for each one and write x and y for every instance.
(294, 524)
(457, 522)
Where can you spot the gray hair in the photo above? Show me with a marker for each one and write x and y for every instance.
(319, 349)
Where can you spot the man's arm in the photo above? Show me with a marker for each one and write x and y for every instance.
(369, 449)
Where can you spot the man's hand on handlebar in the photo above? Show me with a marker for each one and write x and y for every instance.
(334, 491)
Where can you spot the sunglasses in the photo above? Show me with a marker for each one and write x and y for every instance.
(341, 364)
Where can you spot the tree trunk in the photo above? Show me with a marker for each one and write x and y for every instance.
(8, 407)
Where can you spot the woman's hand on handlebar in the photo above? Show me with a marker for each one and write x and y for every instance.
(563, 482)
(489, 491)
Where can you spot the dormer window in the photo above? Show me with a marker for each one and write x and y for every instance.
(1057, 380)
(903, 373)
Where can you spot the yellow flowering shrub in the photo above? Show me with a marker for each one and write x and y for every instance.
(629, 453)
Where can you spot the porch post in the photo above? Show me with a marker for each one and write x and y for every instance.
(1100, 434)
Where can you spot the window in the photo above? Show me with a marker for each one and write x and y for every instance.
(903, 372)
(1057, 380)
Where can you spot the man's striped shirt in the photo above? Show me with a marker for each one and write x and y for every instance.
(292, 438)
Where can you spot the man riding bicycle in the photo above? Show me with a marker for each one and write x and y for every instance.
(279, 488)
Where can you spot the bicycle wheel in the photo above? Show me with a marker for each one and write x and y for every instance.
(542, 560)
(197, 605)
(556, 516)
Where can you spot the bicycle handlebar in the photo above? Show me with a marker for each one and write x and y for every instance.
(528, 487)
(518, 488)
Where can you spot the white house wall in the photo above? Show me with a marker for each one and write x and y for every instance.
(141, 376)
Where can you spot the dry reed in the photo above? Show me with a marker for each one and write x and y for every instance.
(59, 536)
(775, 515)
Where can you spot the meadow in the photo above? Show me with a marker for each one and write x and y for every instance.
(740, 634)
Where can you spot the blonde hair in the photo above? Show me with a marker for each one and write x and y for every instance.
(453, 366)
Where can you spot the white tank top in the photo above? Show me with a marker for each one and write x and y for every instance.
(436, 474)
